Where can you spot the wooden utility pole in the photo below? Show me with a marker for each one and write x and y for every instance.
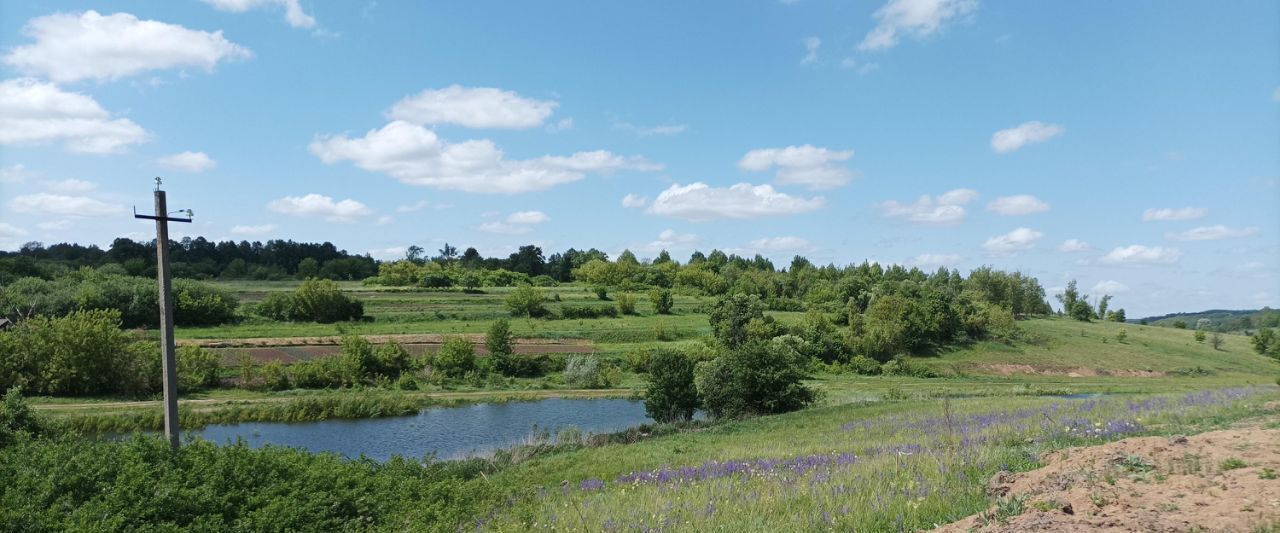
(169, 360)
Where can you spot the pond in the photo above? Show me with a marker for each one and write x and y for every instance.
(448, 432)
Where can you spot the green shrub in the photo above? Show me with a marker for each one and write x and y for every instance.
(626, 304)
(662, 301)
(526, 300)
(903, 366)
(574, 312)
(866, 366)
(320, 300)
(197, 368)
(201, 304)
(456, 357)
(275, 376)
(315, 300)
(671, 396)
(588, 372)
(84, 352)
(758, 377)
(639, 360)
(17, 419)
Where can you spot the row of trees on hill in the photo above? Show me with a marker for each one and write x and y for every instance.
(1077, 306)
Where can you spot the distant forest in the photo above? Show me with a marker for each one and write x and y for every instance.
(199, 258)
(1223, 320)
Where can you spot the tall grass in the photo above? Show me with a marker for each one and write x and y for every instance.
(907, 469)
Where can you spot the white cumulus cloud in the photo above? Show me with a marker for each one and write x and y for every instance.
(8, 231)
(915, 18)
(58, 204)
(811, 45)
(1211, 233)
(293, 13)
(15, 173)
(780, 244)
(669, 240)
(71, 47)
(947, 208)
(1139, 254)
(187, 162)
(316, 205)
(71, 185)
(517, 223)
(701, 202)
(805, 165)
(634, 201)
(935, 260)
(1021, 204)
(1012, 242)
(478, 107)
(417, 156)
(36, 112)
(1073, 245)
(1169, 214)
(1110, 286)
(259, 229)
(1008, 140)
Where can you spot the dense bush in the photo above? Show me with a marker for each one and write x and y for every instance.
(17, 420)
(626, 304)
(588, 372)
(671, 395)
(315, 300)
(662, 301)
(864, 365)
(526, 300)
(755, 378)
(359, 362)
(456, 357)
(574, 312)
(84, 352)
(1267, 343)
(903, 366)
(76, 484)
(195, 303)
(197, 368)
(498, 341)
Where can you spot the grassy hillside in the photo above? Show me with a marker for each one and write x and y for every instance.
(1058, 346)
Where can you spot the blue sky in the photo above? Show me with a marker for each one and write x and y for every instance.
(1133, 146)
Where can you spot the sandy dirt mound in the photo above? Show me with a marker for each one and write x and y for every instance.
(1219, 481)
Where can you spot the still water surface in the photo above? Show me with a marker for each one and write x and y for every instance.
(448, 432)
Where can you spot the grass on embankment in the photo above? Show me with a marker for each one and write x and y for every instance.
(1059, 345)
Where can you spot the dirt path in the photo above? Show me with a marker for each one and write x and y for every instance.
(214, 402)
(1218, 481)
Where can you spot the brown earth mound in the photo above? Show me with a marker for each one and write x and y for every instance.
(1219, 481)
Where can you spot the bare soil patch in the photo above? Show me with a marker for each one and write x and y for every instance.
(1218, 481)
